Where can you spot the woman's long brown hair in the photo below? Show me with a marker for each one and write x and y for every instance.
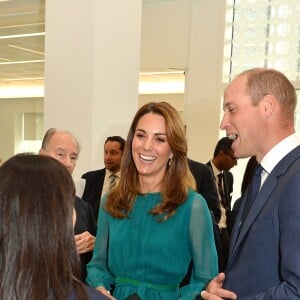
(178, 179)
(38, 257)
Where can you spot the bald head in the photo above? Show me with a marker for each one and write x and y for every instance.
(61, 145)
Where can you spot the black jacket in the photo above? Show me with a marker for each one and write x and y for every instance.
(85, 221)
(93, 189)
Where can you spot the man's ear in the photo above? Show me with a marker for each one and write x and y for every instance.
(269, 105)
(222, 153)
(42, 152)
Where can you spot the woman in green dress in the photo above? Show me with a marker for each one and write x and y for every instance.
(153, 224)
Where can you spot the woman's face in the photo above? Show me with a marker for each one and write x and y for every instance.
(150, 148)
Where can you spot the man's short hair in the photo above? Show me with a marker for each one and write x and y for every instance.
(116, 138)
(224, 144)
(49, 134)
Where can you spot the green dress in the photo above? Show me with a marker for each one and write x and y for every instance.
(150, 258)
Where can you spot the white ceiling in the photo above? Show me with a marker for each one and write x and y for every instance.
(22, 37)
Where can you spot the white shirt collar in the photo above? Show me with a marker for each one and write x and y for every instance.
(279, 151)
(108, 173)
(216, 171)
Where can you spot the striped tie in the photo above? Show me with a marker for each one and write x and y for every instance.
(221, 190)
(112, 180)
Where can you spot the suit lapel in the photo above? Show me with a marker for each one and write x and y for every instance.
(263, 197)
(236, 227)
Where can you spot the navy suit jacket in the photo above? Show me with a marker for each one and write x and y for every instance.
(206, 186)
(264, 259)
(93, 188)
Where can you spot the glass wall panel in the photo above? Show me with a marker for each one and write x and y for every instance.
(262, 33)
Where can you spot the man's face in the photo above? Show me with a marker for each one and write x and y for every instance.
(243, 120)
(112, 156)
(63, 148)
(228, 159)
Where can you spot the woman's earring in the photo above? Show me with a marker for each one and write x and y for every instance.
(170, 162)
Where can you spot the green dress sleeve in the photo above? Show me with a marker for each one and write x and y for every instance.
(202, 247)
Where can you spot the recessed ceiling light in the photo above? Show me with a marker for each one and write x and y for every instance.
(26, 49)
(22, 62)
(21, 35)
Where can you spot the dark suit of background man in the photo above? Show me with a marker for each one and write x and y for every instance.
(205, 185)
(97, 182)
(223, 160)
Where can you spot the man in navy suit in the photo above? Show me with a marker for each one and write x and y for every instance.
(98, 182)
(264, 258)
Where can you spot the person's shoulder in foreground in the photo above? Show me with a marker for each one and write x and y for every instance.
(91, 174)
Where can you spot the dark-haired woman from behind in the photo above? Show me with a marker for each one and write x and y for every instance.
(38, 257)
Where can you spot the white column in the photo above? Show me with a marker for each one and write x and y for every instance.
(203, 77)
(92, 65)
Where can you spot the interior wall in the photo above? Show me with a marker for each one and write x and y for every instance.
(177, 100)
(92, 63)
(165, 34)
(189, 35)
(203, 93)
(11, 111)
